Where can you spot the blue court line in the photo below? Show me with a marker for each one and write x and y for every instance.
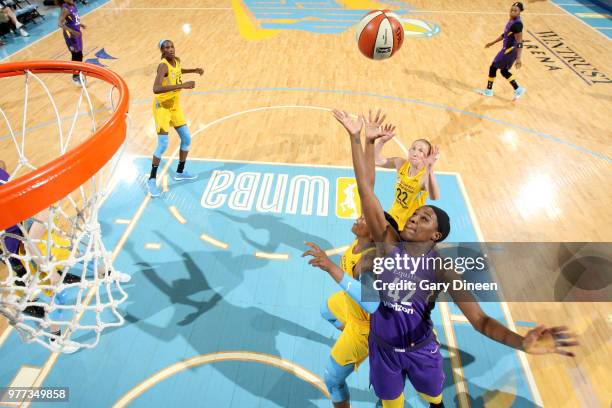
(144, 101)
(407, 100)
(592, 6)
(38, 31)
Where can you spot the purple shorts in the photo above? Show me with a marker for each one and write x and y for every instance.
(389, 369)
(73, 42)
(505, 61)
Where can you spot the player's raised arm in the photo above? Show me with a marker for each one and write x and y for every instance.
(386, 162)
(374, 130)
(351, 286)
(372, 210)
(430, 183)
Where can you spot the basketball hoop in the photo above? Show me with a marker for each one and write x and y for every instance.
(50, 238)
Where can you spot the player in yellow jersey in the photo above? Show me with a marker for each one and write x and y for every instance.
(167, 111)
(415, 178)
(351, 348)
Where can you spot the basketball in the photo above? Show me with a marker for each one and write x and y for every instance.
(380, 34)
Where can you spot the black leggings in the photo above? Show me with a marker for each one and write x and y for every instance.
(493, 72)
(77, 56)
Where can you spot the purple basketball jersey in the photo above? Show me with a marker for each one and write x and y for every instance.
(73, 22)
(403, 318)
(11, 244)
(403, 321)
(509, 39)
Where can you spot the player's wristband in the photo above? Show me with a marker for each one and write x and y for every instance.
(519, 45)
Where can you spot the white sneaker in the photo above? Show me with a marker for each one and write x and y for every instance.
(23, 32)
(68, 347)
(121, 277)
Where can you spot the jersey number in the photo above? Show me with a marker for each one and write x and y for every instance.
(402, 196)
(394, 294)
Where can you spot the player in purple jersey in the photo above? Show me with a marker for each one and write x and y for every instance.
(402, 342)
(510, 53)
(70, 23)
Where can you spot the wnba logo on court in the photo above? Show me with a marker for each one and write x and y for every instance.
(268, 192)
(348, 204)
(280, 193)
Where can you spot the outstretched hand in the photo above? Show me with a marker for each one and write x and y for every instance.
(429, 160)
(352, 125)
(387, 133)
(319, 258)
(542, 340)
(373, 126)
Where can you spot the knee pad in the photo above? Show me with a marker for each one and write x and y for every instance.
(329, 316)
(183, 133)
(492, 71)
(162, 145)
(335, 380)
(505, 73)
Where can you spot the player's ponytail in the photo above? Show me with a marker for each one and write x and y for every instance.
(519, 5)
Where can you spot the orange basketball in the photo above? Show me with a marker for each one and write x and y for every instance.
(380, 34)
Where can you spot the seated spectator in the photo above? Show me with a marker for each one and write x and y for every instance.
(6, 13)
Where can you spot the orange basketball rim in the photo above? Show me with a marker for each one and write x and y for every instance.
(29, 194)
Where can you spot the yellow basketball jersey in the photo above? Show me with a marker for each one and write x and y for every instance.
(60, 251)
(409, 194)
(348, 262)
(174, 77)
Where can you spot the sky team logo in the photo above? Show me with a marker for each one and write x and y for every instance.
(260, 20)
(348, 204)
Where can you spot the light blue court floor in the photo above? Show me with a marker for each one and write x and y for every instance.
(255, 321)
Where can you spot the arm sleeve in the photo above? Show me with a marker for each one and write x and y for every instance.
(353, 288)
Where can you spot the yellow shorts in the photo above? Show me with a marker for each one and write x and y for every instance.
(337, 306)
(168, 114)
(352, 345)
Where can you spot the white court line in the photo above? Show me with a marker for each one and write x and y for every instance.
(5, 334)
(266, 255)
(168, 8)
(497, 13)
(459, 318)
(213, 241)
(336, 251)
(165, 187)
(175, 212)
(325, 166)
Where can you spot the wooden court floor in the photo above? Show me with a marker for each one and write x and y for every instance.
(538, 170)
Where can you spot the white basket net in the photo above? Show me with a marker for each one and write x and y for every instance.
(58, 286)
